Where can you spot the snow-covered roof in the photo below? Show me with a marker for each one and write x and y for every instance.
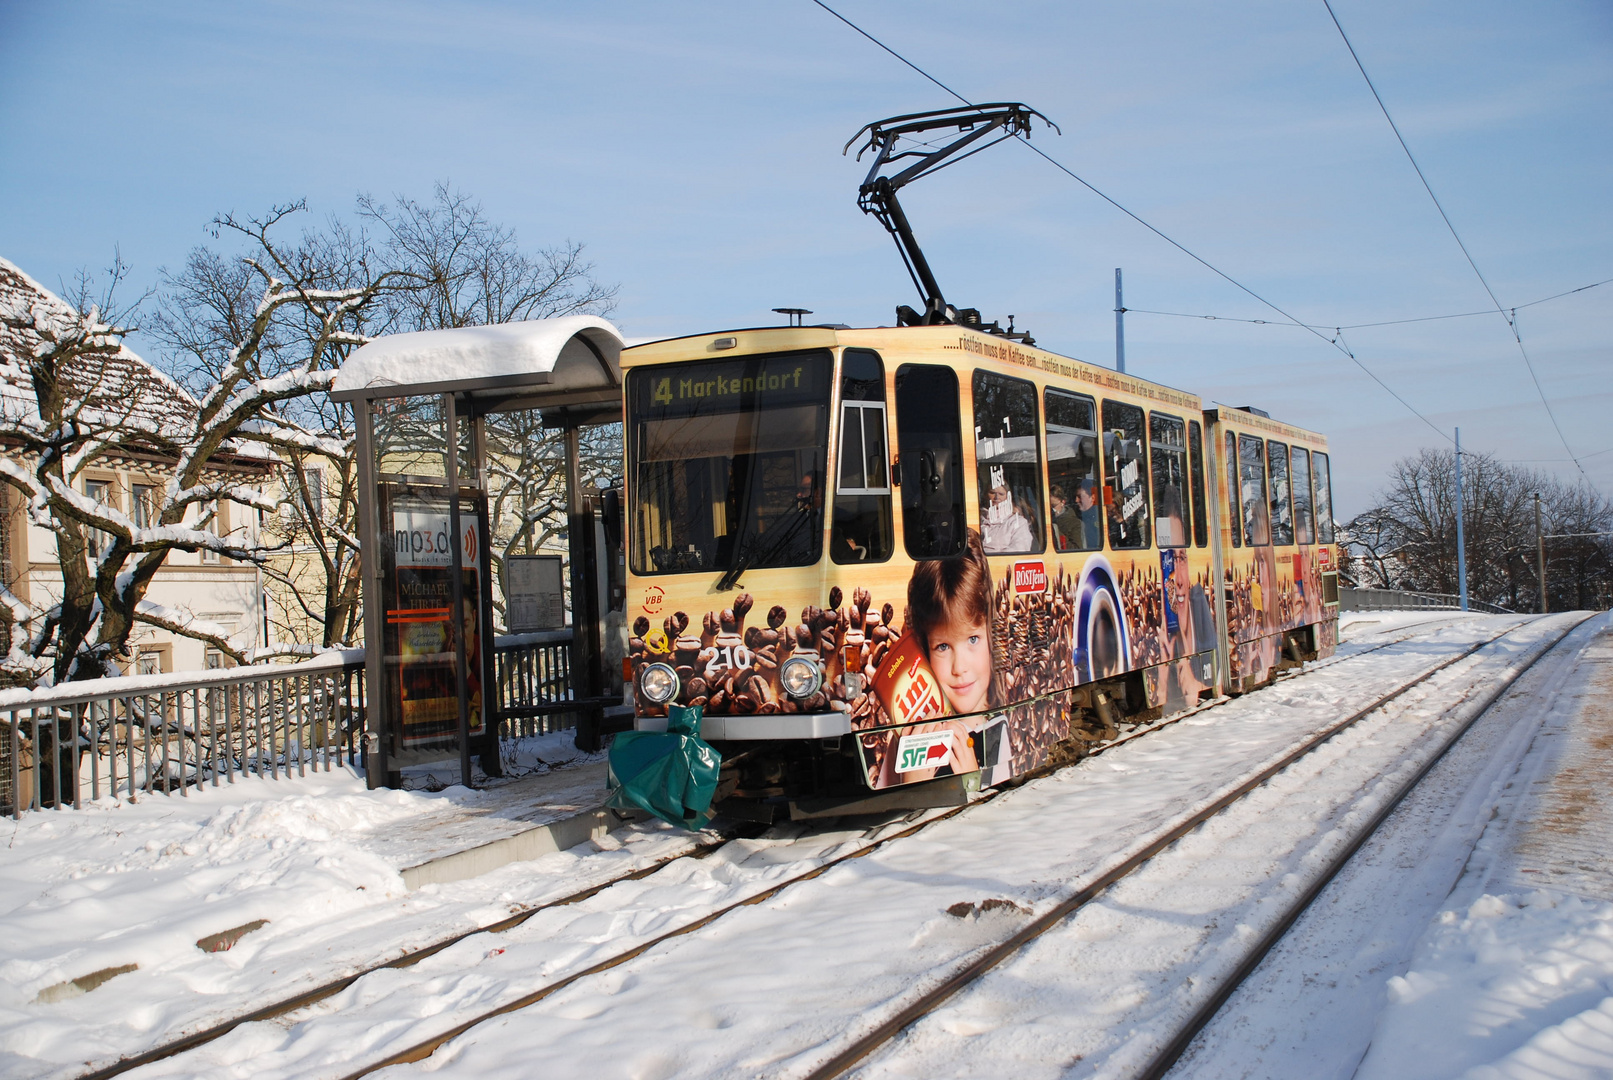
(573, 352)
(118, 388)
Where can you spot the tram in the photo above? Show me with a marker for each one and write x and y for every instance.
(895, 564)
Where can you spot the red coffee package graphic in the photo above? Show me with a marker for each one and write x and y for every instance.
(906, 686)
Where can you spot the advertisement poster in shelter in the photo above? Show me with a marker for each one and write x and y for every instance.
(425, 627)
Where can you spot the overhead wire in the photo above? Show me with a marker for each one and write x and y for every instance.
(1361, 326)
(1336, 341)
(1512, 322)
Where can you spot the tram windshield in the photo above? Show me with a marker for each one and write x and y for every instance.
(727, 461)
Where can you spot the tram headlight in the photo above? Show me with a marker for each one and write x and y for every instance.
(658, 683)
(800, 676)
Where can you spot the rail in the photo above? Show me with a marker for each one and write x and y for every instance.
(1396, 600)
(148, 734)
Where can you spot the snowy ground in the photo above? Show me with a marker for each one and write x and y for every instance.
(1510, 976)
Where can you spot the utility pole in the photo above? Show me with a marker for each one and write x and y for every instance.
(1540, 554)
(1461, 547)
(1120, 327)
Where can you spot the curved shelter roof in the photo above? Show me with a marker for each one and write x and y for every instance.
(574, 359)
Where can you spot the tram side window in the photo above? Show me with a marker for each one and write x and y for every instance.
(1324, 500)
(1195, 461)
(1234, 511)
(1125, 492)
(862, 530)
(1252, 490)
(1282, 507)
(1299, 476)
(930, 452)
(1167, 447)
(1008, 464)
(1072, 471)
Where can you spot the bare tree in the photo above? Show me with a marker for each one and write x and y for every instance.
(1407, 540)
(93, 399)
(443, 265)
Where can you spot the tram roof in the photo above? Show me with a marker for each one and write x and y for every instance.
(570, 358)
(1241, 417)
(962, 343)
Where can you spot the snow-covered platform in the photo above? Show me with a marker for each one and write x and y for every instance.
(1560, 835)
(509, 821)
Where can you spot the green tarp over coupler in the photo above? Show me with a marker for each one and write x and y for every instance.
(671, 775)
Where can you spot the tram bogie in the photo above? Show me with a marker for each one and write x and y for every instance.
(894, 564)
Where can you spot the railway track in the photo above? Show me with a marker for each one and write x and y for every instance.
(1160, 1062)
(285, 1010)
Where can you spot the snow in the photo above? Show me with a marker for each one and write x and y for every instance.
(464, 354)
(1312, 1005)
(319, 858)
(1445, 952)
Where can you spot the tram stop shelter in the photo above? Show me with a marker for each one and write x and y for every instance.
(427, 534)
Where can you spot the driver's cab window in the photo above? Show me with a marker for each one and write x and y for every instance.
(862, 530)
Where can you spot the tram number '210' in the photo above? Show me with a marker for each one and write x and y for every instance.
(729, 656)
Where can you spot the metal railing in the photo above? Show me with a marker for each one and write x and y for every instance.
(145, 734)
(533, 676)
(137, 735)
(1396, 600)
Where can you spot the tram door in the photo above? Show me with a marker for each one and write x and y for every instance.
(930, 453)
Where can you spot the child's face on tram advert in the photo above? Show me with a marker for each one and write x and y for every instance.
(949, 607)
(960, 656)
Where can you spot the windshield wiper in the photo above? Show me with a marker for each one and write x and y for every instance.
(762, 548)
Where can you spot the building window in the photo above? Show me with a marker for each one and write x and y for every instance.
(98, 541)
(143, 505)
(209, 520)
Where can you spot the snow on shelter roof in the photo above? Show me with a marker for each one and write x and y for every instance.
(570, 353)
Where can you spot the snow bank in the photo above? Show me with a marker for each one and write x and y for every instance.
(1514, 987)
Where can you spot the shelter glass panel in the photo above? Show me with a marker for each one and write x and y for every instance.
(727, 460)
(929, 447)
(1252, 490)
(1299, 475)
(411, 439)
(1234, 509)
(1072, 471)
(1167, 437)
(1008, 464)
(1282, 506)
(1125, 457)
(424, 635)
(1195, 457)
(1324, 500)
(862, 529)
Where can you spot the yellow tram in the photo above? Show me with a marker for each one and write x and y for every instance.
(894, 564)
(887, 556)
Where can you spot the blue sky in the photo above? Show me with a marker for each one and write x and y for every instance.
(695, 150)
